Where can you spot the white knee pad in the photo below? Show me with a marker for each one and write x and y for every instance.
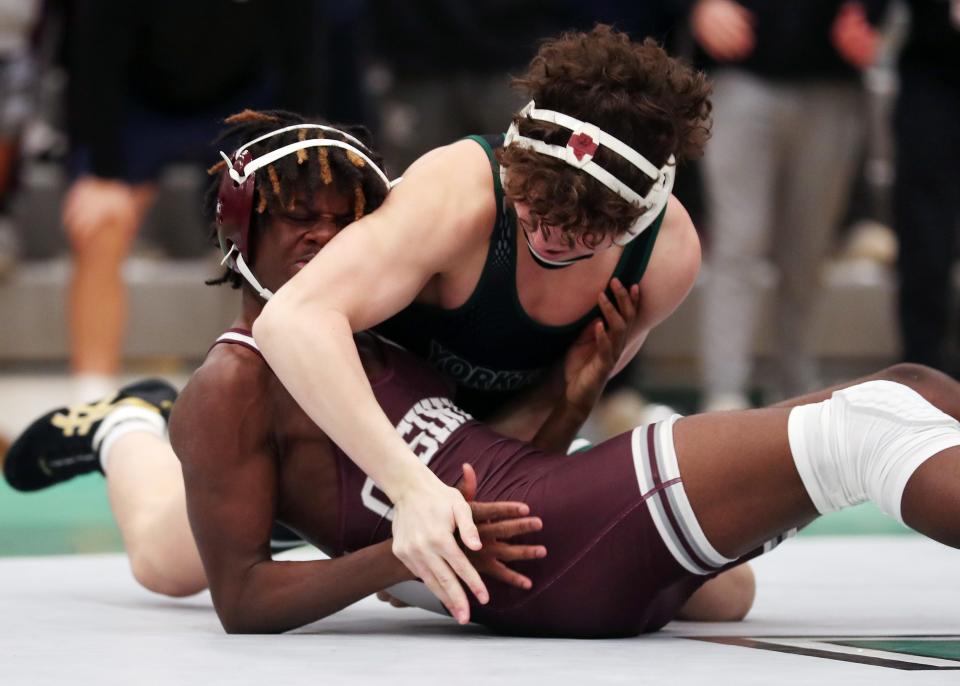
(865, 442)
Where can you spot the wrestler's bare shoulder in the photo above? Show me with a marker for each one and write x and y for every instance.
(678, 232)
(230, 367)
(228, 391)
(674, 265)
(457, 179)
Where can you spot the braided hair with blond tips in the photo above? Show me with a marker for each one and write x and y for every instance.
(298, 175)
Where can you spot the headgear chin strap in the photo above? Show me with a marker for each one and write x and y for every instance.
(235, 197)
(552, 264)
(579, 151)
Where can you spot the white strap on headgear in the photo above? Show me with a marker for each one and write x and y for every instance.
(352, 144)
(245, 271)
(296, 127)
(291, 148)
(579, 151)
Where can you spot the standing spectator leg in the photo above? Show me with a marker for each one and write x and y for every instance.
(101, 222)
(740, 171)
(824, 142)
(926, 211)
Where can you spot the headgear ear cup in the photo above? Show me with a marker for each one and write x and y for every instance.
(234, 209)
(658, 196)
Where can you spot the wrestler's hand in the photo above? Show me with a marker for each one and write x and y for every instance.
(593, 356)
(499, 522)
(425, 518)
(385, 597)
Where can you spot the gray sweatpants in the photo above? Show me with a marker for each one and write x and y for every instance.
(777, 173)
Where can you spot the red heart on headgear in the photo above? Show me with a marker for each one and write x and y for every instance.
(582, 144)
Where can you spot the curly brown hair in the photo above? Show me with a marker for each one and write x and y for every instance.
(654, 103)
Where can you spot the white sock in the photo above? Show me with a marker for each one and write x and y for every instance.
(122, 421)
(90, 387)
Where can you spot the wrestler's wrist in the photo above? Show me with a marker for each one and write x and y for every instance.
(399, 572)
(574, 411)
(412, 483)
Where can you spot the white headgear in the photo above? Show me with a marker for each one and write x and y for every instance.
(579, 151)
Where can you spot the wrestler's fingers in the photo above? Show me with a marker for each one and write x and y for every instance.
(385, 597)
(458, 562)
(485, 512)
(599, 331)
(513, 527)
(443, 583)
(493, 531)
(468, 485)
(463, 518)
(604, 345)
(624, 302)
(507, 552)
(449, 590)
(611, 315)
(499, 571)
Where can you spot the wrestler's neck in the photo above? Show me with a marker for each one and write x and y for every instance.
(251, 305)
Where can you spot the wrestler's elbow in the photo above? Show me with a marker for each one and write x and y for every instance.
(276, 323)
(266, 324)
(237, 619)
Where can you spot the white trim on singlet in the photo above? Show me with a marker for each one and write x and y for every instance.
(235, 337)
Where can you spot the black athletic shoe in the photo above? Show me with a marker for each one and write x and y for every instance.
(59, 445)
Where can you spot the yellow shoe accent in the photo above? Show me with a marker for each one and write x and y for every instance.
(80, 418)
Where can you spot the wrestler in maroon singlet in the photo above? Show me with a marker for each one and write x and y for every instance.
(608, 571)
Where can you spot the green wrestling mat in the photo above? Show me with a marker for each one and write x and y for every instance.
(946, 648)
(70, 518)
(911, 653)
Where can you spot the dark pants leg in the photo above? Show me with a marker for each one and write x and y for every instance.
(926, 211)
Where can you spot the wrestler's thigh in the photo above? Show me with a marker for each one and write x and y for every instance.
(740, 478)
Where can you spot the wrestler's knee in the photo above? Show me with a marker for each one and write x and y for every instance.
(165, 578)
(938, 388)
(910, 374)
(726, 598)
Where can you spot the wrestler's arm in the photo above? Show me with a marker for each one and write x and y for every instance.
(220, 431)
(587, 366)
(370, 271)
(669, 278)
